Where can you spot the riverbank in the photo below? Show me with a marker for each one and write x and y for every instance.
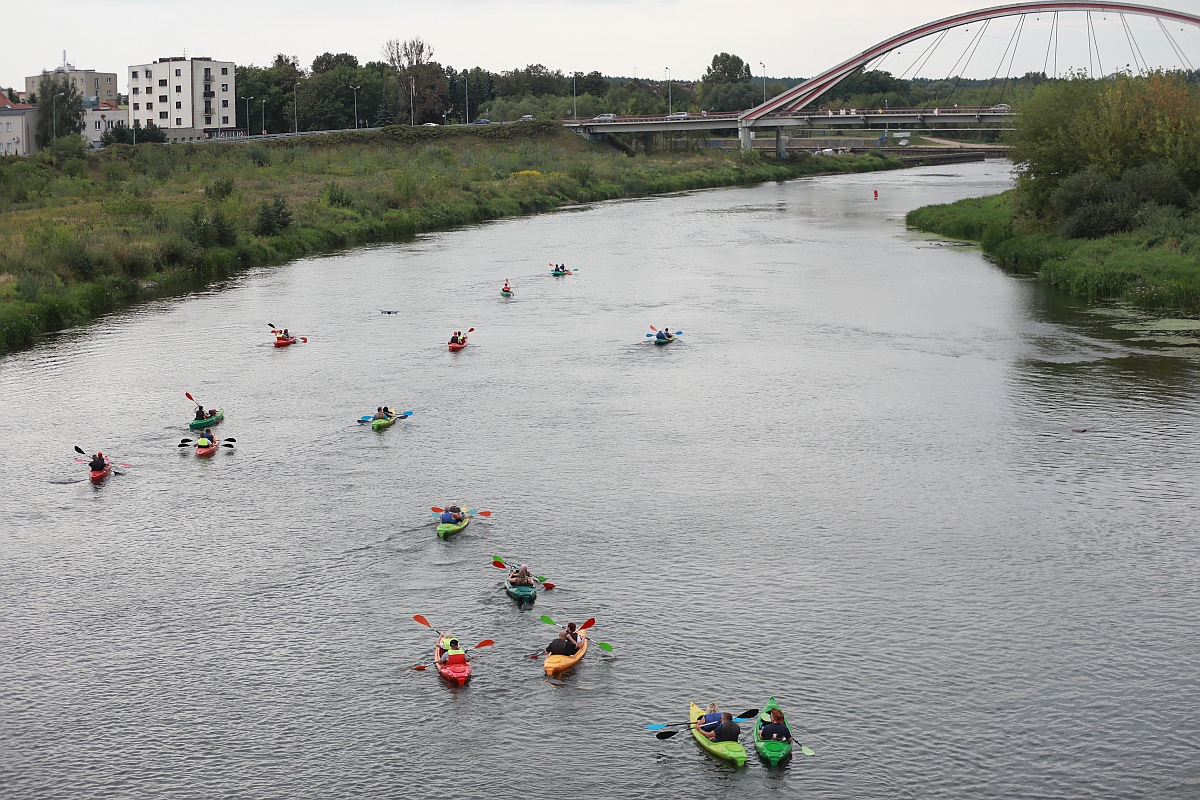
(1154, 266)
(82, 234)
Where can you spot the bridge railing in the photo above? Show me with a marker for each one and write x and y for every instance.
(806, 113)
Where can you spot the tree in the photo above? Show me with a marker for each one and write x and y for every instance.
(593, 83)
(727, 68)
(385, 114)
(273, 84)
(420, 84)
(60, 108)
(327, 61)
(732, 96)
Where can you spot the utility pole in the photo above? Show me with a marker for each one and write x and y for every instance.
(248, 99)
(295, 111)
(574, 102)
(467, 96)
(264, 116)
(356, 88)
(764, 69)
(670, 103)
(412, 100)
(54, 104)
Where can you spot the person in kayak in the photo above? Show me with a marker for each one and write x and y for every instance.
(506, 288)
(663, 335)
(97, 464)
(561, 646)
(206, 439)
(711, 718)
(726, 730)
(572, 634)
(388, 413)
(776, 729)
(453, 654)
(452, 515)
(455, 338)
(521, 577)
(201, 414)
(379, 413)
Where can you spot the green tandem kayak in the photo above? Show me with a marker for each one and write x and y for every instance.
(522, 594)
(201, 424)
(773, 751)
(380, 424)
(450, 528)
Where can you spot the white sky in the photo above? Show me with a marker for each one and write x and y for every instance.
(617, 37)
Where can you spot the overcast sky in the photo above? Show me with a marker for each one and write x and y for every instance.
(617, 37)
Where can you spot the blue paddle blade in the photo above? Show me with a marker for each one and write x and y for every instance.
(657, 726)
(407, 414)
(679, 333)
(649, 335)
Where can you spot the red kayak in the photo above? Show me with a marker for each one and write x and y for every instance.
(281, 342)
(98, 475)
(207, 452)
(458, 673)
(455, 347)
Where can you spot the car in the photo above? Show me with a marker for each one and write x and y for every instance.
(605, 118)
(431, 125)
(526, 118)
(1002, 107)
(679, 115)
(482, 122)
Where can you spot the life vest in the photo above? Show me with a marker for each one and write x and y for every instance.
(202, 442)
(456, 656)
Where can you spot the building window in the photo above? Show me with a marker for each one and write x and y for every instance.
(208, 120)
(97, 84)
(162, 81)
(178, 121)
(178, 104)
(224, 70)
(178, 89)
(136, 90)
(149, 74)
(224, 104)
(224, 87)
(9, 127)
(224, 120)
(135, 73)
(136, 106)
(176, 73)
(162, 115)
(97, 124)
(108, 79)
(162, 98)
(149, 106)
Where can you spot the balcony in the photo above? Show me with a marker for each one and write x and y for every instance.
(210, 94)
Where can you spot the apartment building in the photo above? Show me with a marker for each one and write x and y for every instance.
(18, 128)
(189, 97)
(100, 117)
(100, 85)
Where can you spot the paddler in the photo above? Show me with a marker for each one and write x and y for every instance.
(711, 718)
(572, 634)
(97, 464)
(561, 646)
(201, 414)
(521, 577)
(206, 439)
(662, 335)
(455, 338)
(506, 288)
(726, 730)
(379, 413)
(453, 654)
(776, 729)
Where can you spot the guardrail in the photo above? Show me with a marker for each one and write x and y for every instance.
(704, 116)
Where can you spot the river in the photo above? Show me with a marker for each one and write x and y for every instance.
(854, 483)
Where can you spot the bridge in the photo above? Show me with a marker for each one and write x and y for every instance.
(787, 110)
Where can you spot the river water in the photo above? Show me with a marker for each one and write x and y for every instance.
(854, 483)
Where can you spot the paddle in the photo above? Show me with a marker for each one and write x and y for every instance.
(368, 418)
(669, 734)
(748, 714)
(469, 511)
(499, 563)
(83, 452)
(300, 338)
(186, 442)
(605, 646)
(484, 643)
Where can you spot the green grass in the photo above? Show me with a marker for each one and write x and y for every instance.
(82, 234)
(1155, 266)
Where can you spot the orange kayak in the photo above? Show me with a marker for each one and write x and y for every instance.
(556, 665)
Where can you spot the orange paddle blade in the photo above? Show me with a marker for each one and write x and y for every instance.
(435, 508)
(587, 624)
(420, 667)
(547, 585)
(485, 643)
(484, 513)
(424, 621)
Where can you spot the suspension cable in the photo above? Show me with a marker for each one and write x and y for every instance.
(1012, 58)
(1053, 27)
(1133, 48)
(1015, 34)
(1099, 63)
(928, 49)
(977, 41)
(1178, 50)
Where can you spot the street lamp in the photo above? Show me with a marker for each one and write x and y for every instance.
(764, 68)
(248, 99)
(574, 102)
(54, 103)
(295, 111)
(356, 88)
(264, 116)
(670, 104)
(412, 100)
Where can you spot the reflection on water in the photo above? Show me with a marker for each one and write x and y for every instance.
(944, 515)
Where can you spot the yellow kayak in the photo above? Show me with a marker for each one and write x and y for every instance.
(726, 751)
(555, 665)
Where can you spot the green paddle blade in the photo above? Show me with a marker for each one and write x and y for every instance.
(547, 620)
(804, 749)
(605, 646)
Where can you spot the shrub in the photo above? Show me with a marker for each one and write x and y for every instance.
(336, 195)
(273, 216)
(258, 154)
(219, 189)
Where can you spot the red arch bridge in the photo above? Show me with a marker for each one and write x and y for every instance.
(790, 109)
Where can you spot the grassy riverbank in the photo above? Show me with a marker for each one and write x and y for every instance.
(82, 233)
(1156, 265)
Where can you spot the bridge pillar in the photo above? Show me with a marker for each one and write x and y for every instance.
(781, 141)
(744, 137)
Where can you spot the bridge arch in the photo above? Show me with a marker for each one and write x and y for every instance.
(799, 96)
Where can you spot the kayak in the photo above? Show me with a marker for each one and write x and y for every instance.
(98, 475)
(284, 342)
(455, 347)
(455, 673)
(522, 594)
(773, 750)
(380, 424)
(556, 665)
(201, 424)
(207, 452)
(505, 294)
(560, 272)
(449, 528)
(726, 751)
(667, 340)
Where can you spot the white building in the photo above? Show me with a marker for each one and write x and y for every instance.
(192, 98)
(100, 117)
(18, 128)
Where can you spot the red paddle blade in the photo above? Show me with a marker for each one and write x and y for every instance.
(422, 620)
(484, 513)
(470, 330)
(587, 624)
(304, 339)
(485, 643)
(188, 395)
(547, 585)
(435, 508)
(496, 564)
(653, 328)
(420, 667)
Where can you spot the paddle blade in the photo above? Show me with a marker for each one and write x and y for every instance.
(587, 624)
(679, 333)
(435, 508)
(605, 646)
(649, 335)
(304, 339)
(547, 585)
(227, 445)
(485, 643)
(188, 395)
(656, 726)
(499, 565)
(182, 444)
(804, 749)
(470, 330)
(271, 324)
(420, 667)
(665, 734)
(654, 329)
(538, 653)
(484, 513)
(422, 620)
(230, 439)
(79, 450)
(749, 713)
(548, 621)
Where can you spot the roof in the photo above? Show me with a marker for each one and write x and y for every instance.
(6, 103)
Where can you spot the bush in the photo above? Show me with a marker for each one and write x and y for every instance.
(258, 154)
(273, 216)
(219, 189)
(337, 195)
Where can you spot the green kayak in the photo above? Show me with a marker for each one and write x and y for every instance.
(201, 424)
(668, 340)
(450, 528)
(522, 594)
(380, 424)
(773, 750)
(733, 752)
